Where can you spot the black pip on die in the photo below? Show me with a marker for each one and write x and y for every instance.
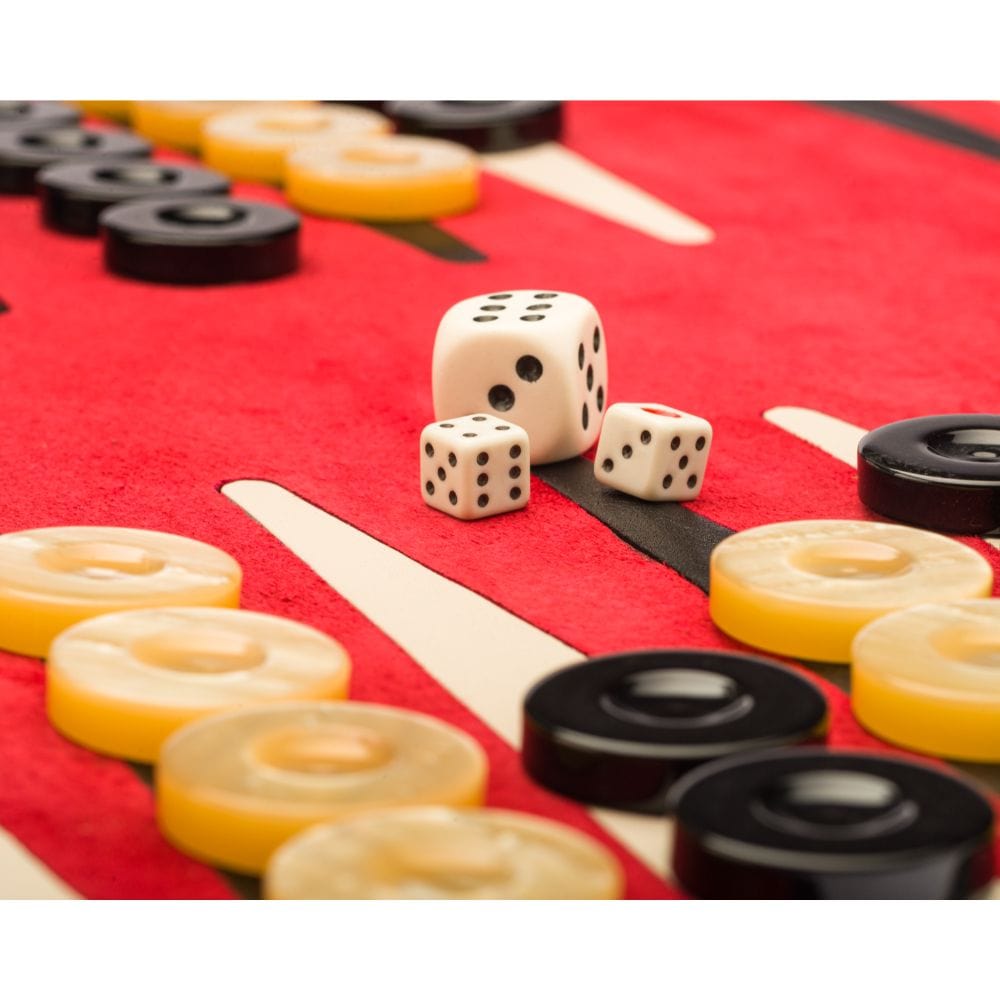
(653, 452)
(536, 357)
(475, 466)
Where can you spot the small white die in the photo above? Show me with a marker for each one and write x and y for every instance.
(475, 466)
(653, 452)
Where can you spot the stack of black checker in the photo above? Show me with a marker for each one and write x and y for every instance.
(186, 230)
(162, 222)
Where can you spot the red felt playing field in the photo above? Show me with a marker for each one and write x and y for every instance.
(815, 258)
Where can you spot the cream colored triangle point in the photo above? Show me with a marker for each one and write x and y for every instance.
(834, 436)
(484, 655)
(23, 876)
(554, 170)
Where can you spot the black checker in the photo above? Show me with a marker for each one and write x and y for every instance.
(620, 730)
(941, 473)
(200, 241)
(23, 152)
(485, 126)
(73, 195)
(36, 114)
(819, 824)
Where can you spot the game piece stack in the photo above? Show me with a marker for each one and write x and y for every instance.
(122, 683)
(334, 160)
(25, 151)
(619, 730)
(163, 222)
(73, 195)
(150, 659)
(693, 732)
(911, 611)
(253, 144)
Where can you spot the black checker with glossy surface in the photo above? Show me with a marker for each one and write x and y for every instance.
(485, 126)
(823, 824)
(941, 473)
(73, 195)
(620, 730)
(200, 241)
(23, 152)
(36, 114)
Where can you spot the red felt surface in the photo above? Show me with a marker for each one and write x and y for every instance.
(854, 271)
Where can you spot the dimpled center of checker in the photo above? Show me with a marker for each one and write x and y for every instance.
(676, 698)
(377, 156)
(976, 444)
(456, 858)
(834, 805)
(139, 174)
(297, 124)
(62, 138)
(331, 749)
(851, 558)
(978, 645)
(203, 214)
(99, 559)
(199, 651)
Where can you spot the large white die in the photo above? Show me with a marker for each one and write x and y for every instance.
(536, 357)
(475, 466)
(653, 452)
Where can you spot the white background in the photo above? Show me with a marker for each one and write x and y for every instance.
(494, 49)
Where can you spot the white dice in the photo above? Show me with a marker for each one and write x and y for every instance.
(653, 452)
(475, 466)
(536, 357)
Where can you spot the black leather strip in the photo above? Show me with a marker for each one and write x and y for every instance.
(428, 237)
(679, 538)
(668, 532)
(923, 123)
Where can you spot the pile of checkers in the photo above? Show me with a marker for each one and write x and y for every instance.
(730, 744)
(171, 221)
(263, 765)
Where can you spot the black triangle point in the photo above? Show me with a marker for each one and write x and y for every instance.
(431, 239)
(923, 123)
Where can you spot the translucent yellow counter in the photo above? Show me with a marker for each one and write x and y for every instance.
(436, 853)
(253, 144)
(52, 578)
(804, 588)
(122, 683)
(384, 178)
(232, 787)
(928, 678)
